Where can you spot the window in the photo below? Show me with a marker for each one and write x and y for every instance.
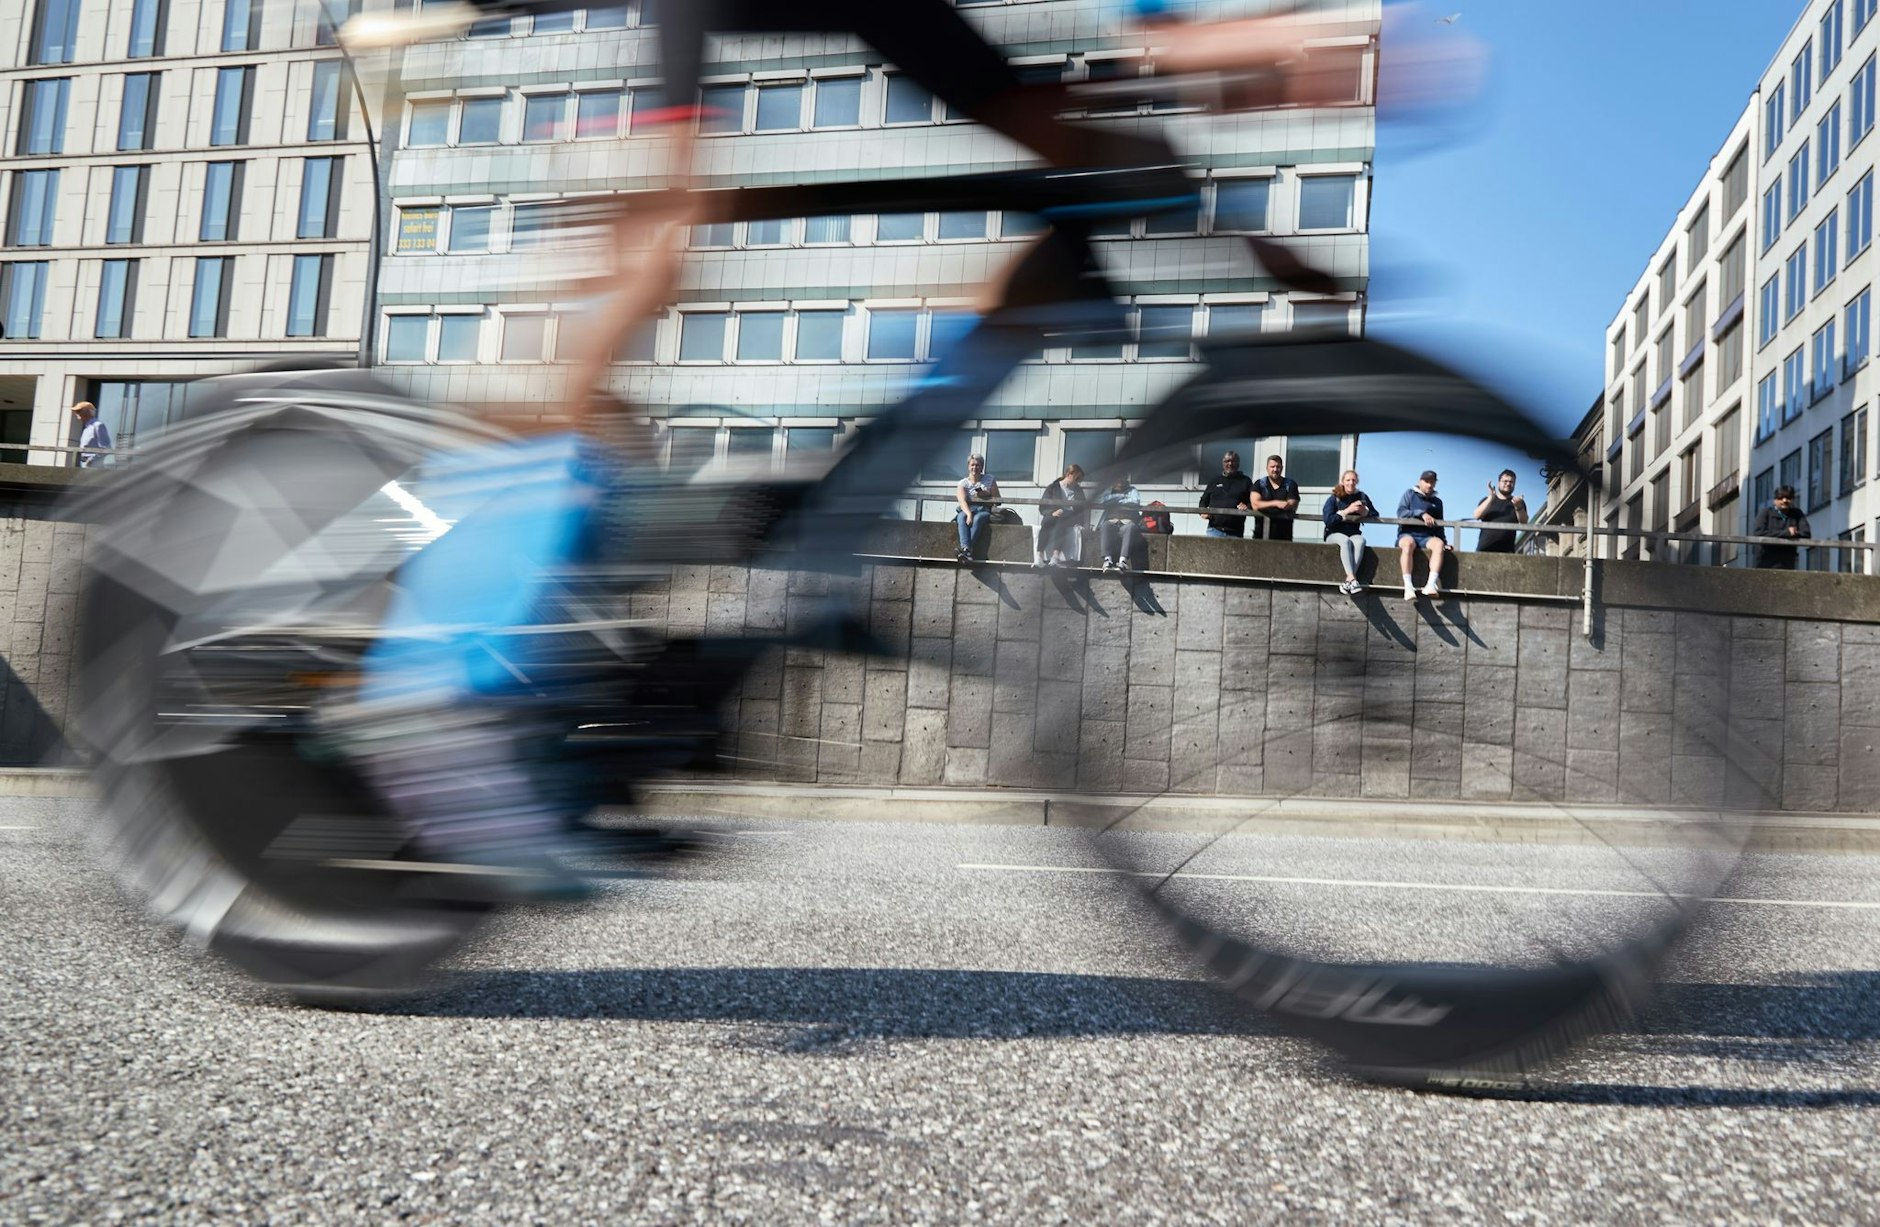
(1661, 429)
(481, 121)
(234, 91)
(1794, 387)
(148, 19)
(1789, 469)
(810, 440)
(597, 114)
(491, 27)
(819, 336)
(1666, 358)
(1796, 278)
(1827, 250)
(1766, 408)
(1735, 183)
(35, 202)
(1820, 470)
(717, 234)
(1618, 352)
(1851, 562)
(722, 109)
(760, 336)
(1802, 82)
(750, 444)
(124, 219)
(1012, 455)
(427, 124)
(1729, 357)
(770, 232)
(1822, 350)
(208, 302)
(1336, 317)
(1763, 488)
(308, 295)
(221, 202)
(1773, 127)
(326, 120)
(241, 25)
(1165, 332)
(525, 338)
(945, 329)
(1827, 146)
(1731, 273)
(1693, 397)
(1831, 38)
(1772, 215)
(470, 227)
(553, 23)
(825, 230)
(405, 337)
(1859, 319)
(1769, 311)
(1853, 449)
(1860, 216)
(691, 448)
(1667, 280)
(1326, 201)
(137, 117)
(42, 117)
(838, 103)
(1727, 445)
(319, 201)
(1691, 473)
(1241, 204)
(459, 334)
(544, 118)
(702, 336)
(1642, 317)
(1860, 102)
(962, 226)
(1863, 12)
(780, 108)
(417, 228)
(326, 14)
(1798, 182)
(22, 299)
(1185, 220)
(1236, 319)
(1696, 309)
(1698, 236)
(532, 226)
(908, 102)
(55, 33)
(640, 346)
(117, 296)
(892, 335)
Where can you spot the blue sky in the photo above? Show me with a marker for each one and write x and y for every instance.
(1505, 237)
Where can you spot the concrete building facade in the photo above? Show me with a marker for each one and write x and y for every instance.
(786, 335)
(186, 189)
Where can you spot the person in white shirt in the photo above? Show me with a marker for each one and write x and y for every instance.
(92, 432)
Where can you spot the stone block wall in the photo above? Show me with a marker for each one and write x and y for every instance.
(39, 575)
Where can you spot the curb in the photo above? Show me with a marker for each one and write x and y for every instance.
(44, 782)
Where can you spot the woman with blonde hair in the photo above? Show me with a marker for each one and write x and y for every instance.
(1346, 508)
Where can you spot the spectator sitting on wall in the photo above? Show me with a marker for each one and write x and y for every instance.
(977, 495)
(92, 432)
(1784, 521)
(1347, 507)
(1276, 498)
(1500, 506)
(1421, 503)
(1121, 528)
(1232, 489)
(1060, 515)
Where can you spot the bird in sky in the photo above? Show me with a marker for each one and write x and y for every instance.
(1450, 20)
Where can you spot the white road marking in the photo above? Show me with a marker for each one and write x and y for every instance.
(1382, 884)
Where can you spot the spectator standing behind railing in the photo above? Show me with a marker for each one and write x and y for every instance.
(1060, 515)
(1784, 521)
(1120, 527)
(92, 432)
(977, 495)
(1276, 498)
(1347, 507)
(1501, 506)
(1232, 489)
(1420, 502)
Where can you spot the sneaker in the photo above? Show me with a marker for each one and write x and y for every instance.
(1351, 587)
(381, 31)
(962, 556)
(1432, 589)
(1409, 591)
(1038, 564)
(1122, 564)
(1109, 564)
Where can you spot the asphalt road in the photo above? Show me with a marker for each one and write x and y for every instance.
(840, 1023)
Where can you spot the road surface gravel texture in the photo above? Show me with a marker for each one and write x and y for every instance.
(838, 1023)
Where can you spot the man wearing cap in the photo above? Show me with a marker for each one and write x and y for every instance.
(1421, 505)
(92, 432)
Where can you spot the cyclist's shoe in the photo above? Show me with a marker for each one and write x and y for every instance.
(386, 31)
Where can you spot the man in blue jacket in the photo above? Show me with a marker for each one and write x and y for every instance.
(1421, 504)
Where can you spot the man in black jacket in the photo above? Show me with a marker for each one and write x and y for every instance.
(1784, 521)
(1232, 489)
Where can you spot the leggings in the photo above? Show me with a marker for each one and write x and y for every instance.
(1350, 550)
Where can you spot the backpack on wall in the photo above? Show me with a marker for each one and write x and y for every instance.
(1156, 518)
(1004, 515)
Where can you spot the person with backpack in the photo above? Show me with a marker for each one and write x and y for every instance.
(1119, 530)
(1346, 508)
(1060, 515)
(977, 495)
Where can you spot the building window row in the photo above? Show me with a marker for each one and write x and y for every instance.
(23, 292)
(56, 26)
(820, 334)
